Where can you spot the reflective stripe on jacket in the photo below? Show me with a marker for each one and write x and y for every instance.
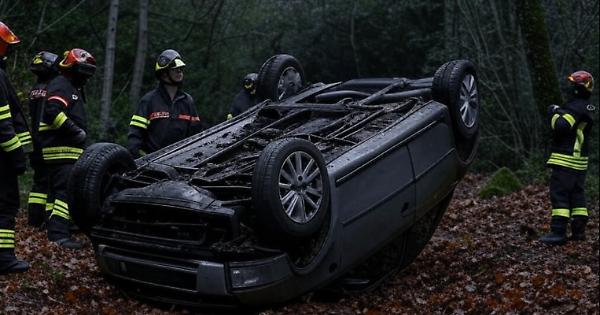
(158, 121)
(62, 118)
(14, 132)
(571, 127)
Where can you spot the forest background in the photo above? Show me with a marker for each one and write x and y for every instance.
(523, 51)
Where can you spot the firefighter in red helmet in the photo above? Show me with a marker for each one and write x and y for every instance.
(62, 134)
(571, 127)
(14, 135)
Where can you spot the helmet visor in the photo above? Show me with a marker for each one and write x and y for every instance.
(46, 58)
(177, 63)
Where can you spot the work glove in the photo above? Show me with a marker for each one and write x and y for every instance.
(552, 109)
(19, 162)
(75, 134)
(79, 137)
(136, 153)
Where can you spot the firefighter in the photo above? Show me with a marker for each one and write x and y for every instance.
(44, 66)
(245, 98)
(166, 114)
(571, 126)
(13, 134)
(62, 134)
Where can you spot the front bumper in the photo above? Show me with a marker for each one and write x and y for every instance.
(194, 282)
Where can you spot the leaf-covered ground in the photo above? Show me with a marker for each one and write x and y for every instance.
(483, 258)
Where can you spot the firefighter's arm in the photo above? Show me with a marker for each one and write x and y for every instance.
(236, 105)
(138, 129)
(10, 143)
(561, 120)
(195, 123)
(8, 137)
(232, 111)
(55, 118)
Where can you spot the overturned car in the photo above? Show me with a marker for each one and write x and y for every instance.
(287, 197)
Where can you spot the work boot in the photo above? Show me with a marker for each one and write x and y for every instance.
(73, 228)
(69, 243)
(35, 217)
(10, 264)
(58, 232)
(558, 231)
(13, 266)
(578, 227)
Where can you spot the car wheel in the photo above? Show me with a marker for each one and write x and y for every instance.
(415, 239)
(89, 184)
(455, 84)
(280, 77)
(290, 190)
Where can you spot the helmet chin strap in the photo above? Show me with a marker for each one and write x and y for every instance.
(169, 81)
(78, 80)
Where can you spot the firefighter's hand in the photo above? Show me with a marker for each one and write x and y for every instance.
(552, 109)
(18, 160)
(135, 154)
(79, 137)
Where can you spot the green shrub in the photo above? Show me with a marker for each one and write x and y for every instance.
(503, 182)
(25, 182)
(534, 169)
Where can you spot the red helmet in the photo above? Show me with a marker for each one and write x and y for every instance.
(7, 37)
(78, 61)
(583, 79)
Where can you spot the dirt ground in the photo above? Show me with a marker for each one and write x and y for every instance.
(483, 258)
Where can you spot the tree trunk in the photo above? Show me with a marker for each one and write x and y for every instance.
(545, 85)
(140, 56)
(109, 64)
(449, 34)
(353, 38)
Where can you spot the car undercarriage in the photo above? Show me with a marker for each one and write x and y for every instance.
(288, 196)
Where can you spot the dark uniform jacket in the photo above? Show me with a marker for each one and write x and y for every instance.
(158, 121)
(14, 132)
(242, 101)
(571, 127)
(37, 97)
(63, 118)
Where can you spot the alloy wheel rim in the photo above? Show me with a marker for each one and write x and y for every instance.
(300, 187)
(469, 101)
(289, 82)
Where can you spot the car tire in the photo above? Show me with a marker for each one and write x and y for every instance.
(280, 77)
(416, 238)
(89, 181)
(290, 190)
(455, 84)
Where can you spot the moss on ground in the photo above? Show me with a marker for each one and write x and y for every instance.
(502, 182)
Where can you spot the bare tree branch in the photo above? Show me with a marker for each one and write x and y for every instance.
(109, 63)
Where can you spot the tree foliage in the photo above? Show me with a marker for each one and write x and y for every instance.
(222, 40)
(535, 37)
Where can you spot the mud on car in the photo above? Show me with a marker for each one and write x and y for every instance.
(317, 182)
